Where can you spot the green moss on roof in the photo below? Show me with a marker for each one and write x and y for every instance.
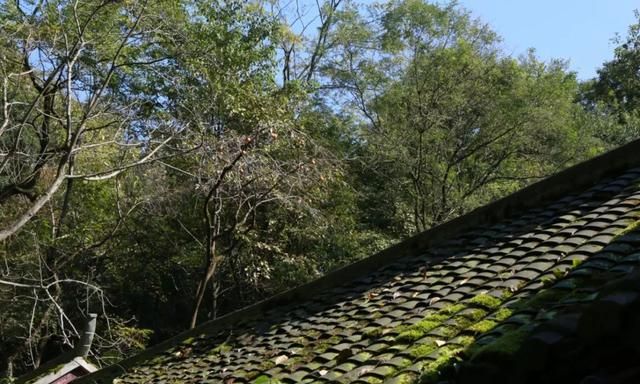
(221, 348)
(434, 369)
(339, 333)
(485, 301)
(410, 335)
(465, 340)
(503, 314)
(264, 379)
(541, 299)
(372, 332)
(482, 326)
(505, 345)
(632, 226)
(405, 378)
(453, 309)
(462, 322)
(421, 328)
(423, 350)
(476, 314)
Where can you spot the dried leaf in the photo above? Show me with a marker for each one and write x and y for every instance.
(281, 359)
(365, 370)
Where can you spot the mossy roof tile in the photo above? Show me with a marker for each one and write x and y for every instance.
(389, 318)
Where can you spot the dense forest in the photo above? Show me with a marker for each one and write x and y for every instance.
(165, 162)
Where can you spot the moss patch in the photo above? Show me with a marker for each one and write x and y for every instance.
(264, 379)
(465, 340)
(372, 332)
(476, 314)
(559, 273)
(448, 331)
(439, 317)
(405, 378)
(418, 330)
(505, 345)
(542, 299)
(629, 228)
(222, 348)
(410, 335)
(453, 309)
(462, 322)
(485, 301)
(503, 314)
(482, 326)
(434, 369)
(423, 350)
(506, 293)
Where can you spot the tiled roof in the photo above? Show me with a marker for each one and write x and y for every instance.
(521, 295)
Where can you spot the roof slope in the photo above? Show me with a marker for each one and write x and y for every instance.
(475, 289)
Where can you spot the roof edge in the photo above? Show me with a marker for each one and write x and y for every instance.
(573, 179)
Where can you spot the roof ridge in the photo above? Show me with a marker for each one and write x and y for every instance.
(571, 180)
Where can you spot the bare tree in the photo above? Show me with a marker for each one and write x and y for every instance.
(61, 119)
(302, 51)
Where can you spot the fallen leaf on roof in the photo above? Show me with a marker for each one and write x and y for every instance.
(365, 370)
(281, 359)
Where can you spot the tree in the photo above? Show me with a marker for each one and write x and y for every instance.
(65, 122)
(62, 67)
(612, 99)
(445, 115)
(618, 81)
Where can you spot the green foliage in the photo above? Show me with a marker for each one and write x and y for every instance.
(612, 99)
(617, 82)
(447, 116)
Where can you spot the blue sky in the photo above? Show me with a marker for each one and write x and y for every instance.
(577, 30)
